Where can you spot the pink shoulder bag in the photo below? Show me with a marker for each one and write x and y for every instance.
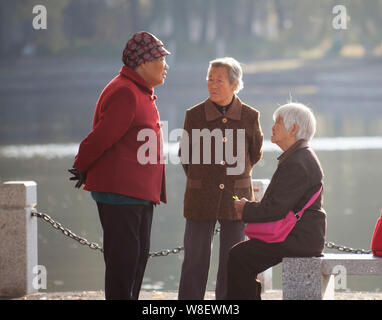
(277, 231)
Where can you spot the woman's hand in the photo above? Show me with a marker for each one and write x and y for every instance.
(239, 206)
(80, 176)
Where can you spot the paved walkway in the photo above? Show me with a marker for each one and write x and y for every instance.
(172, 295)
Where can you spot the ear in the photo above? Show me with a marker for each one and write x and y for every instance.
(293, 130)
(235, 86)
(139, 68)
(143, 65)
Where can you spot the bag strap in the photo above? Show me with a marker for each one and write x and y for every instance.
(308, 204)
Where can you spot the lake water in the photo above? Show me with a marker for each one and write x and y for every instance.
(46, 108)
(352, 193)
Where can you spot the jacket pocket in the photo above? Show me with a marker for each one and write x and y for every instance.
(242, 188)
(194, 184)
(242, 183)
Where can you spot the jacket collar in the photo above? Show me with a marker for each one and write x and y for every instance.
(137, 79)
(299, 144)
(234, 112)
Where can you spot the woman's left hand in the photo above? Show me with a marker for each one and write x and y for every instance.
(239, 206)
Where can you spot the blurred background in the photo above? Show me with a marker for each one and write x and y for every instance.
(50, 80)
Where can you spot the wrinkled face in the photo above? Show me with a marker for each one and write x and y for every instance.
(279, 132)
(155, 71)
(220, 89)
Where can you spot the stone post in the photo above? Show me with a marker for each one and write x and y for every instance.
(18, 238)
(259, 187)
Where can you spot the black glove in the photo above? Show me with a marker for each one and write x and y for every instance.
(77, 175)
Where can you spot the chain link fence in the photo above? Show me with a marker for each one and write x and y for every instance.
(163, 253)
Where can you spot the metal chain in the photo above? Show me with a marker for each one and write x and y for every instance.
(65, 231)
(331, 245)
(93, 245)
(164, 253)
(176, 250)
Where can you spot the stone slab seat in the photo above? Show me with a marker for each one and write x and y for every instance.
(313, 278)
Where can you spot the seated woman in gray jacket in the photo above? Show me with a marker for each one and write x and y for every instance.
(297, 178)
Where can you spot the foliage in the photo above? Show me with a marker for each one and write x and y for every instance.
(193, 29)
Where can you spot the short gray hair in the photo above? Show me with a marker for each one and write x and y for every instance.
(297, 113)
(233, 67)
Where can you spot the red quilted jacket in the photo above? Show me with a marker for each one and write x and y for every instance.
(109, 152)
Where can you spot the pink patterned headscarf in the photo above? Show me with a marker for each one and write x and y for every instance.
(143, 46)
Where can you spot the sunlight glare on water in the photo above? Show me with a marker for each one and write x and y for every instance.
(52, 151)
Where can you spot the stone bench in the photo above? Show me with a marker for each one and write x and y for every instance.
(313, 278)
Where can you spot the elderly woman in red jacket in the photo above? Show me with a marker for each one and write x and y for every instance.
(296, 183)
(124, 186)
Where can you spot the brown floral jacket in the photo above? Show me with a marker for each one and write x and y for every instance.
(212, 184)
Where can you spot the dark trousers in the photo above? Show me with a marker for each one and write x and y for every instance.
(245, 261)
(126, 244)
(197, 253)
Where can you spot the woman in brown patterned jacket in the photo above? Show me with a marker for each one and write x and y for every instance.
(222, 141)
